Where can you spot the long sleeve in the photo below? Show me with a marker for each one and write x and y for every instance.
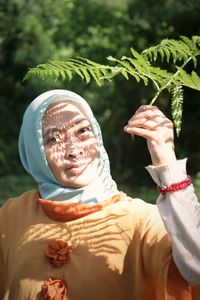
(180, 212)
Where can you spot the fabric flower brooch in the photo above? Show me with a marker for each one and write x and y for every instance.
(58, 252)
(54, 289)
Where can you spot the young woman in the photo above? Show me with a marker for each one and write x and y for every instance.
(78, 237)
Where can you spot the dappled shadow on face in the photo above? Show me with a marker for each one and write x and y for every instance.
(69, 141)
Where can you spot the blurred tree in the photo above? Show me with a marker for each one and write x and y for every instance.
(24, 42)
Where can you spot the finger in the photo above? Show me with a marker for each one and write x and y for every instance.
(148, 114)
(145, 133)
(162, 138)
(147, 107)
(141, 123)
(152, 124)
(158, 133)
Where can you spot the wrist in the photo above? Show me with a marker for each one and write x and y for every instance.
(174, 187)
(164, 156)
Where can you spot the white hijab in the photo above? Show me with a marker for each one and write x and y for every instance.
(33, 158)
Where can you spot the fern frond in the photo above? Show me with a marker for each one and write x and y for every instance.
(189, 80)
(84, 68)
(137, 66)
(140, 66)
(177, 107)
(41, 72)
(177, 50)
(157, 75)
(125, 68)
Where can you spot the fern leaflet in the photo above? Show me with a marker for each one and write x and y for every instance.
(177, 107)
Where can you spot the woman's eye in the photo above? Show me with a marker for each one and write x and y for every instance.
(53, 140)
(84, 129)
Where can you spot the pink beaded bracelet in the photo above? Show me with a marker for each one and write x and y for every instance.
(175, 186)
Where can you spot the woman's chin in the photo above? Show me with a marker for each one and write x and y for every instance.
(79, 181)
(78, 176)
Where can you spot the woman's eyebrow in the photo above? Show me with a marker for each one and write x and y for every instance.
(79, 120)
(56, 129)
(51, 130)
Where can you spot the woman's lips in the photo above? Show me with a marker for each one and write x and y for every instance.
(76, 169)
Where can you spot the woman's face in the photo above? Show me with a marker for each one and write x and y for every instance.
(70, 145)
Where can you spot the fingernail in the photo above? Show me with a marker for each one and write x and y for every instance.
(127, 128)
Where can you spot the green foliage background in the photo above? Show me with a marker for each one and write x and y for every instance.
(32, 32)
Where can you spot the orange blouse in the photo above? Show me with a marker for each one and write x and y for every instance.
(119, 250)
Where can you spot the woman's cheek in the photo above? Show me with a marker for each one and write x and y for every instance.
(54, 157)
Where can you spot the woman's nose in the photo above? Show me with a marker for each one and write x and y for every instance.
(74, 152)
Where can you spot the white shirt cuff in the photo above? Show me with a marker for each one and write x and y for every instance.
(167, 174)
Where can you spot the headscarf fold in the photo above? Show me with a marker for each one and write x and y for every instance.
(33, 158)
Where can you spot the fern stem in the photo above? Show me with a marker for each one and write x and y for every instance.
(157, 86)
(168, 83)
